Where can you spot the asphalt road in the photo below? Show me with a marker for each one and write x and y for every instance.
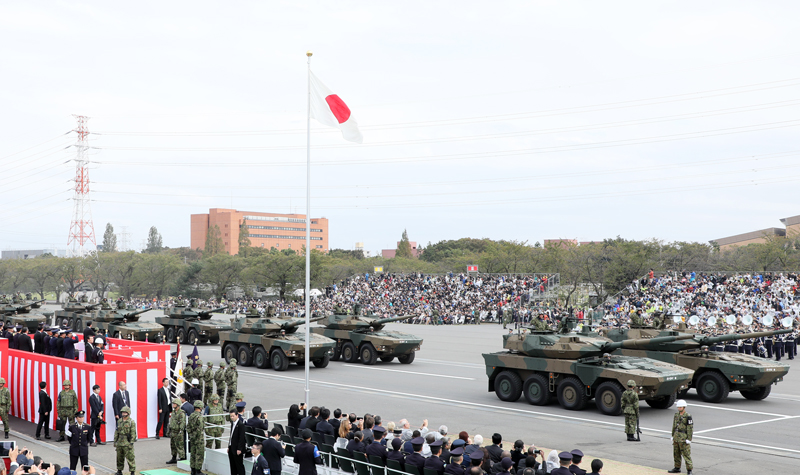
(447, 384)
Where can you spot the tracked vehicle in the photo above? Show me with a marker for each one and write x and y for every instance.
(191, 325)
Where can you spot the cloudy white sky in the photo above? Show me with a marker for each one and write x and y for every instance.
(509, 120)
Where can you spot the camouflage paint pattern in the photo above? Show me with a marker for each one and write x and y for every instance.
(196, 320)
(31, 321)
(114, 321)
(364, 330)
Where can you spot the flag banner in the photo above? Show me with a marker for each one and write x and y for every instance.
(330, 109)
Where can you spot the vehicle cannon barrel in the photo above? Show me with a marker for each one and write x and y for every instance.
(294, 323)
(642, 343)
(211, 310)
(383, 321)
(136, 312)
(711, 340)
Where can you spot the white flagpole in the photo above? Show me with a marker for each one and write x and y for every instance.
(308, 226)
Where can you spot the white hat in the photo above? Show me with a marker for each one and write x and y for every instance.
(195, 381)
(98, 340)
(681, 403)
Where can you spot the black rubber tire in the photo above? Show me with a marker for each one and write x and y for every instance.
(572, 395)
(508, 386)
(349, 352)
(407, 358)
(229, 351)
(322, 362)
(300, 361)
(170, 334)
(387, 359)
(608, 398)
(664, 402)
(214, 339)
(368, 354)
(260, 358)
(244, 355)
(70, 323)
(337, 354)
(278, 360)
(192, 337)
(536, 390)
(180, 336)
(756, 394)
(713, 387)
(78, 325)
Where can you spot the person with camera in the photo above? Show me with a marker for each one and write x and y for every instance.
(79, 436)
(259, 423)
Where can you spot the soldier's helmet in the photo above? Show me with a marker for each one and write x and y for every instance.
(199, 362)
(209, 364)
(215, 397)
(239, 396)
(198, 404)
(222, 364)
(2, 380)
(66, 383)
(98, 340)
(195, 381)
(125, 409)
(631, 383)
(176, 401)
(233, 362)
(680, 403)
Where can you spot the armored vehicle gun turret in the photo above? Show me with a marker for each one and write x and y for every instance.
(268, 341)
(124, 323)
(191, 324)
(73, 314)
(362, 337)
(576, 367)
(715, 373)
(30, 320)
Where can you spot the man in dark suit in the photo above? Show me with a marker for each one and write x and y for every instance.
(24, 342)
(79, 441)
(236, 445)
(274, 451)
(323, 426)
(310, 421)
(164, 409)
(260, 465)
(45, 408)
(336, 421)
(121, 399)
(69, 345)
(259, 423)
(186, 406)
(495, 451)
(48, 332)
(38, 340)
(376, 447)
(306, 455)
(96, 415)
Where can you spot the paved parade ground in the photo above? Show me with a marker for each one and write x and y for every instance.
(447, 384)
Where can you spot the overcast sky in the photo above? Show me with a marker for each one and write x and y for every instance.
(507, 120)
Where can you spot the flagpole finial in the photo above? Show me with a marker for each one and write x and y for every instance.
(309, 53)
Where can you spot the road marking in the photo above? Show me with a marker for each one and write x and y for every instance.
(407, 372)
(449, 363)
(748, 411)
(747, 424)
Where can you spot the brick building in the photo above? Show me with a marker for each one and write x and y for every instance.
(267, 230)
(791, 229)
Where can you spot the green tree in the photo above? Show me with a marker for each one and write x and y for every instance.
(43, 273)
(221, 272)
(109, 239)
(99, 271)
(281, 270)
(244, 239)
(154, 241)
(123, 271)
(214, 243)
(188, 282)
(404, 247)
(70, 272)
(158, 273)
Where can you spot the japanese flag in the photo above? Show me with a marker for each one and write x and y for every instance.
(330, 110)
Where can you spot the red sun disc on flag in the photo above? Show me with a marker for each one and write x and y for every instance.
(338, 107)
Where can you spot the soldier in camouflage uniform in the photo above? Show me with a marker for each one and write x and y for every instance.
(66, 406)
(231, 380)
(217, 413)
(540, 325)
(682, 430)
(506, 316)
(219, 379)
(195, 428)
(188, 374)
(177, 428)
(199, 374)
(208, 380)
(5, 405)
(630, 407)
(124, 437)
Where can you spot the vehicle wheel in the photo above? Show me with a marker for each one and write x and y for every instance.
(663, 402)
(337, 354)
(300, 361)
(245, 356)
(181, 335)
(170, 335)
(349, 353)
(713, 387)
(508, 386)
(214, 339)
(536, 390)
(608, 398)
(193, 338)
(70, 322)
(368, 354)
(229, 352)
(571, 394)
(756, 394)
(279, 360)
(322, 362)
(387, 359)
(78, 325)
(408, 358)
(260, 358)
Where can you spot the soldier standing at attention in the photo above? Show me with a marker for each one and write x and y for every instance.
(682, 429)
(200, 376)
(630, 406)
(66, 406)
(124, 437)
(217, 418)
(195, 430)
(219, 379)
(188, 374)
(177, 427)
(5, 405)
(208, 380)
(231, 380)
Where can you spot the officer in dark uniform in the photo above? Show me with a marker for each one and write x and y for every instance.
(97, 351)
(376, 447)
(564, 459)
(748, 346)
(397, 453)
(790, 345)
(60, 344)
(38, 340)
(778, 348)
(417, 459)
(434, 462)
(46, 340)
(577, 456)
(768, 345)
(79, 441)
(454, 467)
